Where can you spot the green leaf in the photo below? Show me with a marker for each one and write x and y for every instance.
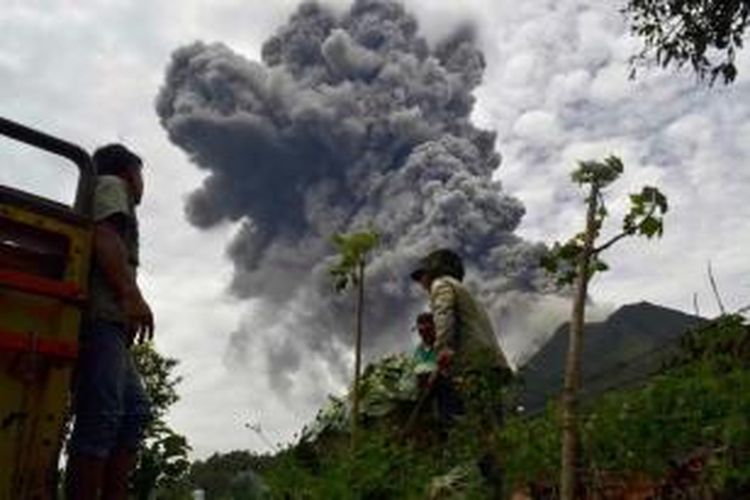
(352, 249)
(600, 173)
(175, 446)
(602, 211)
(600, 266)
(570, 251)
(650, 227)
(549, 262)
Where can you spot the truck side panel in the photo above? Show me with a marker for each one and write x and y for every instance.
(44, 266)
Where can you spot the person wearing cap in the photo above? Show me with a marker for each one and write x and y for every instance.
(471, 366)
(465, 340)
(110, 404)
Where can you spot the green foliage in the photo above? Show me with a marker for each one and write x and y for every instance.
(157, 374)
(385, 387)
(352, 250)
(700, 401)
(163, 459)
(385, 464)
(221, 475)
(382, 467)
(162, 462)
(602, 173)
(728, 343)
(698, 404)
(531, 448)
(704, 33)
(645, 218)
(561, 261)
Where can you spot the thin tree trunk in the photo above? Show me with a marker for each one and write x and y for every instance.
(573, 361)
(715, 289)
(358, 351)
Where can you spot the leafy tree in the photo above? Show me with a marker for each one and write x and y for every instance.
(163, 459)
(221, 474)
(350, 269)
(575, 262)
(704, 33)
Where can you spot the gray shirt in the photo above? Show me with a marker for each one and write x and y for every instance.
(111, 197)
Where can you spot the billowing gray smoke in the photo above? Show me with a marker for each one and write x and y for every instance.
(349, 121)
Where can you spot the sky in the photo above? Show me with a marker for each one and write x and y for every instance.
(555, 89)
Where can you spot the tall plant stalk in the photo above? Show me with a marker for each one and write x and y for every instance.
(573, 361)
(350, 269)
(575, 263)
(358, 350)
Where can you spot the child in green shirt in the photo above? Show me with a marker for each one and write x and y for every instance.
(425, 354)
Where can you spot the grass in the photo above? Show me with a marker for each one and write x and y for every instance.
(694, 411)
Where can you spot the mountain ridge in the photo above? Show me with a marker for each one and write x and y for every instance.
(630, 344)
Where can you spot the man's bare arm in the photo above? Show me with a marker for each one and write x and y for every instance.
(112, 257)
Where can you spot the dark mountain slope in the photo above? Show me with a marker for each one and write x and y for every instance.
(628, 346)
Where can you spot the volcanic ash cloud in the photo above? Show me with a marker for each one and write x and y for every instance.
(348, 121)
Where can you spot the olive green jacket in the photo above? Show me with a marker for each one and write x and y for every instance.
(462, 324)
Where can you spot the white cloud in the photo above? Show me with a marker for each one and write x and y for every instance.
(595, 36)
(520, 69)
(567, 88)
(538, 126)
(611, 84)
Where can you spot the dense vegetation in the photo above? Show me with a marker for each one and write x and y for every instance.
(684, 431)
(689, 419)
(163, 459)
(707, 34)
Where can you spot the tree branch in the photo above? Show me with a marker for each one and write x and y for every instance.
(623, 234)
(611, 242)
(715, 289)
(695, 304)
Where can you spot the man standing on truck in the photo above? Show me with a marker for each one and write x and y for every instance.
(471, 367)
(109, 402)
